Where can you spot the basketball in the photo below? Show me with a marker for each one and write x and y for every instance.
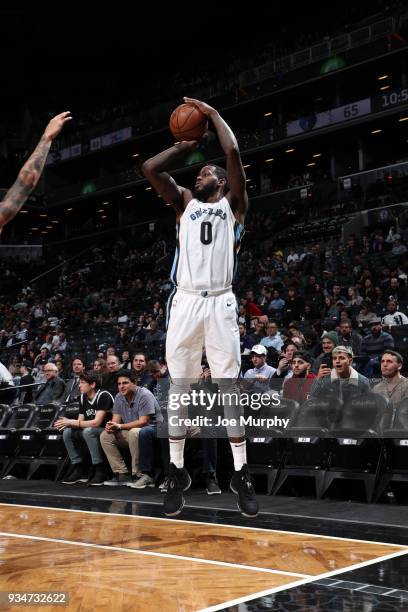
(187, 122)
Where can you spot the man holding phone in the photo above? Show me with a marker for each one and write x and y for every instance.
(324, 362)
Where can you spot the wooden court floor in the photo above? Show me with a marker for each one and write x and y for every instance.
(121, 562)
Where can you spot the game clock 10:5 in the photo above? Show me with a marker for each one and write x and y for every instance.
(394, 98)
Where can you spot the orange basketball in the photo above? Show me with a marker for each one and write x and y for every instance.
(187, 122)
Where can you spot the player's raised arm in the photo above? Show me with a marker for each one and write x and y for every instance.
(154, 169)
(30, 173)
(237, 194)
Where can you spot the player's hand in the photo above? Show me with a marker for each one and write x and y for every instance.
(202, 106)
(56, 124)
(187, 145)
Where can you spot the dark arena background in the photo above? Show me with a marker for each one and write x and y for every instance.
(317, 97)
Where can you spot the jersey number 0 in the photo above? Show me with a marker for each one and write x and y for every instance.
(206, 232)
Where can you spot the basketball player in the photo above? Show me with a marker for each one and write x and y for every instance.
(202, 309)
(30, 173)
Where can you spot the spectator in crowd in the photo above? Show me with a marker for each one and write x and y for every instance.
(343, 381)
(42, 358)
(284, 369)
(153, 334)
(394, 316)
(25, 394)
(136, 413)
(393, 386)
(324, 361)
(298, 387)
(139, 365)
(246, 342)
(374, 345)
(99, 366)
(259, 333)
(366, 315)
(348, 337)
(295, 305)
(95, 406)
(276, 305)
(261, 373)
(354, 298)
(122, 339)
(72, 391)
(109, 381)
(53, 389)
(397, 290)
(272, 339)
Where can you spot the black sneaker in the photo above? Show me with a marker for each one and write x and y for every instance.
(178, 481)
(98, 478)
(212, 485)
(75, 475)
(241, 485)
(89, 476)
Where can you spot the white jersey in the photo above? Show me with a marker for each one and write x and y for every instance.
(208, 241)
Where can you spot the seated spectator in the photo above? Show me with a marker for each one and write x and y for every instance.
(295, 305)
(374, 345)
(348, 337)
(366, 315)
(330, 311)
(261, 373)
(354, 298)
(343, 381)
(312, 344)
(393, 386)
(136, 413)
(272, 339)
(139, 365)
(396, 290)
(259, 333)
(42, 358)
(72, 392)
(298, 387)
(99, 366)
(109, 381)
(324, 361)
(394, 316)
(95, 406)
(122, 339)
(53, 389)
(284, 369)
(246, 342)
(25, 394)
(153, 334)
(275, 308)
(125, 359)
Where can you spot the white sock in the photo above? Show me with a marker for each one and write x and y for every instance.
(177, 452)
(239, 454)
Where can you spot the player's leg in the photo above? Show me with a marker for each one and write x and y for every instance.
(224, 358)
(184, 343)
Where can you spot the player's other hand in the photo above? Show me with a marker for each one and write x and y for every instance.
(56, 124)
(188, 145)
(202, 106)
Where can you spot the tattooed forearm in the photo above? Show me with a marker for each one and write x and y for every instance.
(26, 182)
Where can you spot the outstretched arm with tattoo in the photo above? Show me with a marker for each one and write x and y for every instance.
(30, 173)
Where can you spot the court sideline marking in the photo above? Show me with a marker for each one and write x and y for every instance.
(298, 583)
(157, 518)
(148, 553)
